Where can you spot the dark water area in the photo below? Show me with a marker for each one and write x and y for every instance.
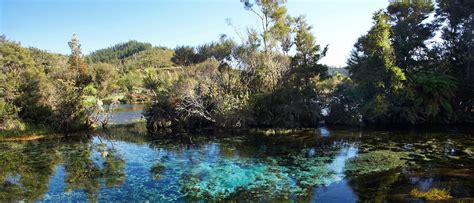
(124, 164)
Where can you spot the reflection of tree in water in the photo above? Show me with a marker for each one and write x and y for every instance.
(114, 164)
(114, 169)
(375, 187)
(81, 171)
(25, 169)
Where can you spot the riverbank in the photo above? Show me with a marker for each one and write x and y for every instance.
(35, 133)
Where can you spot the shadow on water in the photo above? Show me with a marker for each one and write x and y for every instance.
(124, 164)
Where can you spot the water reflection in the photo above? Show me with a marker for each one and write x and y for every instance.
(123, 164)
(324, 132)
(126, 113)
(25, 170)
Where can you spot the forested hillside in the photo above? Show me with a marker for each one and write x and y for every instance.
(399, 72)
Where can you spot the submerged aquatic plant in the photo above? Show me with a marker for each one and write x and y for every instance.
(226, 178)
(432, 194)
(375, 161)
(310, 171)
(219, 180)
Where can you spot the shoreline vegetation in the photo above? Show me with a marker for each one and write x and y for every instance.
(408, 69)
(33, 134)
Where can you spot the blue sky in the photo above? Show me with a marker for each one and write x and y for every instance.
(49, 24)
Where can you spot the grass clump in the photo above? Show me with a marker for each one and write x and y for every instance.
(432, 194)
(375, 161)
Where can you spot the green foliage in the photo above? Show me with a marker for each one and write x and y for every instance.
(54, 65)
(272, 15)
(221, 51)
(185, 56)
(37, 98)
(104, 77)
(118, 52)
(70, 114)
(374, 71)
(308, 53)
(9, 117)
(373, 162)
(434, 93)
(47, 90)
(75, 95)
(14, 60)
(156, 57)
(400, 79)
(195, 97)
(130, 81)
(410, 31)
(457, 25)
(373, 56)
(77, 64)
(293, 96)
(398, 74)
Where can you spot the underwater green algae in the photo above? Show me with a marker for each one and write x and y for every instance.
(230, 177)
(375, 161)
(224, 178)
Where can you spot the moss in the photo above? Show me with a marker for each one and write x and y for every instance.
(432, 194)
(375, 161)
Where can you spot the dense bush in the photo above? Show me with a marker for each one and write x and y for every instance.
(40, 89)
(397, 73)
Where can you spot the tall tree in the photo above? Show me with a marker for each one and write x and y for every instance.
(410, 31)
(373, 68)
(273, 21)
(457, 16)
(70, 112)
(308, 53)
(78, 64)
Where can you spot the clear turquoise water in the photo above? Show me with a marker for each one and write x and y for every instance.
(125, 165)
